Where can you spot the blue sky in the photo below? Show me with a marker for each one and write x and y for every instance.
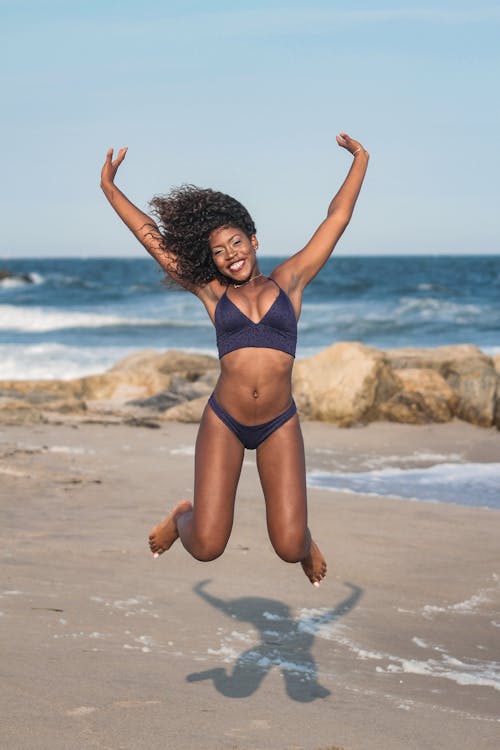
(247, 97)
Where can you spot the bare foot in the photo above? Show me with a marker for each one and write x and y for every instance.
(164, 534)
(314, 565)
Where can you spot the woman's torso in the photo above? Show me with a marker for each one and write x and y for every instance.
(256, 333)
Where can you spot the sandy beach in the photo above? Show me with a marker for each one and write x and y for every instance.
(105, 647)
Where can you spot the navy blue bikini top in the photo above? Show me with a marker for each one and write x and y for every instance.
(276, 330)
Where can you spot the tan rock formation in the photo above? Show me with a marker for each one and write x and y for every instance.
(344, 384)
(466, 369)
(425, 397)
(189, 411)
(347, 383)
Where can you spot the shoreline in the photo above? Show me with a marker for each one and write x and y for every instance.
(106, 643)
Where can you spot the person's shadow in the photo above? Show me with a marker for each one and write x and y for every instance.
(285, 643)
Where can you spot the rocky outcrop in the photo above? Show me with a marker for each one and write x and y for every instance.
(143, 385)
(345, 384)
(424, 397)
(24, 277)
(469, 372)
(348, 383)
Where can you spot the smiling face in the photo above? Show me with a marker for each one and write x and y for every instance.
(234, 253)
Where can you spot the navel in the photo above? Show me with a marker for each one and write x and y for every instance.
(256, 394)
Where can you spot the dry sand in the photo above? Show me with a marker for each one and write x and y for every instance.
(105, 648)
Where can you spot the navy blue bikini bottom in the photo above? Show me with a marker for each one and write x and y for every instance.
(252, 435)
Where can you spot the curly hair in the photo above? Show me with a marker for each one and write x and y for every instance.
(186, 217)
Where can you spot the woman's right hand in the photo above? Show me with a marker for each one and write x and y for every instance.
(110, 167)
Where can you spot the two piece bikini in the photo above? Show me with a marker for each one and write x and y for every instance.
(234, 330)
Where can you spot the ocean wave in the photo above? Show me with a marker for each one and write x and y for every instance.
(42, 320)
(51, 361)
(56, 361)
(21, 280)
(473, 484)
(430, 308)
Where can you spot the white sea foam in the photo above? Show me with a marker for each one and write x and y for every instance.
(42, 320)
(48, 361)
(476, 484)
(476, 673)
(72, 450)
(317, 622)
(469, 606)
(39, 319)
(13, 282)
(428, 308)
(183, 450)
(464, 672)
(272, 617)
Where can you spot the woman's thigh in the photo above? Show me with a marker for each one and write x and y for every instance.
(281, 465)
(218, 461)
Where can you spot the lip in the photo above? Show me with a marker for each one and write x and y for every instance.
(239, 265)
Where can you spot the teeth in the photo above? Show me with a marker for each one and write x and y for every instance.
(236, 266)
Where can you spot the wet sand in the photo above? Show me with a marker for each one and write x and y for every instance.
(105, 647)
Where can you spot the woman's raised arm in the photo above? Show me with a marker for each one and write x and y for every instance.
(140, 224)
(302, 267)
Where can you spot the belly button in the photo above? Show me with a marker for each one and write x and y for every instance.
(256, 394)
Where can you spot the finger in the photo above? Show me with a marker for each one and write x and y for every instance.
(109, 154)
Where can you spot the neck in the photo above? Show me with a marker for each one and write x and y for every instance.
(248, 281)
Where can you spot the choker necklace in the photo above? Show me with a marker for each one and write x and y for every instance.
(248, 280)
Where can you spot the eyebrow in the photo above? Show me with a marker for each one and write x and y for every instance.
(237, 234)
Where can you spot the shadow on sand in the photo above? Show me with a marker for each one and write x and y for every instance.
(285, 643)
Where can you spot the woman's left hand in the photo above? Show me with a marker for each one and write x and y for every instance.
(110, 166)
(345, 141)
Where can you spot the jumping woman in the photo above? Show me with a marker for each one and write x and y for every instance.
(206, 242)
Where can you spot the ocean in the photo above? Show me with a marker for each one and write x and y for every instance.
(80, 315)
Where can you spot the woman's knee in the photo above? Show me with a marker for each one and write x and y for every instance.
(207, 547)
(290, 545)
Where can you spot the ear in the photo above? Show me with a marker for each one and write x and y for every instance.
(254, 242)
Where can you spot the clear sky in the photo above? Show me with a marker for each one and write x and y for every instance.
(247, 97)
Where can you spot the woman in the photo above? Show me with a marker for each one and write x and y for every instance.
(206, 242)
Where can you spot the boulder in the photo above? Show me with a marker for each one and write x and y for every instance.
(466, 369)
(496, 417)
(38, 391)
(24, 277)
(142, 375)
(425, 397)
(193, 365)
(188, 411)
(344, 383)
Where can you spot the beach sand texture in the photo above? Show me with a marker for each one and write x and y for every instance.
(104, 647)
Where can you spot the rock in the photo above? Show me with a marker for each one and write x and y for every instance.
(193, 365)
(496, 417)
(425, 397)
(159, 402)
(139, 376)
(181, 389)
(347, 383)
(466, 369)
(38, 391)
(344, 384)
(188, 411)
(25, 277)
